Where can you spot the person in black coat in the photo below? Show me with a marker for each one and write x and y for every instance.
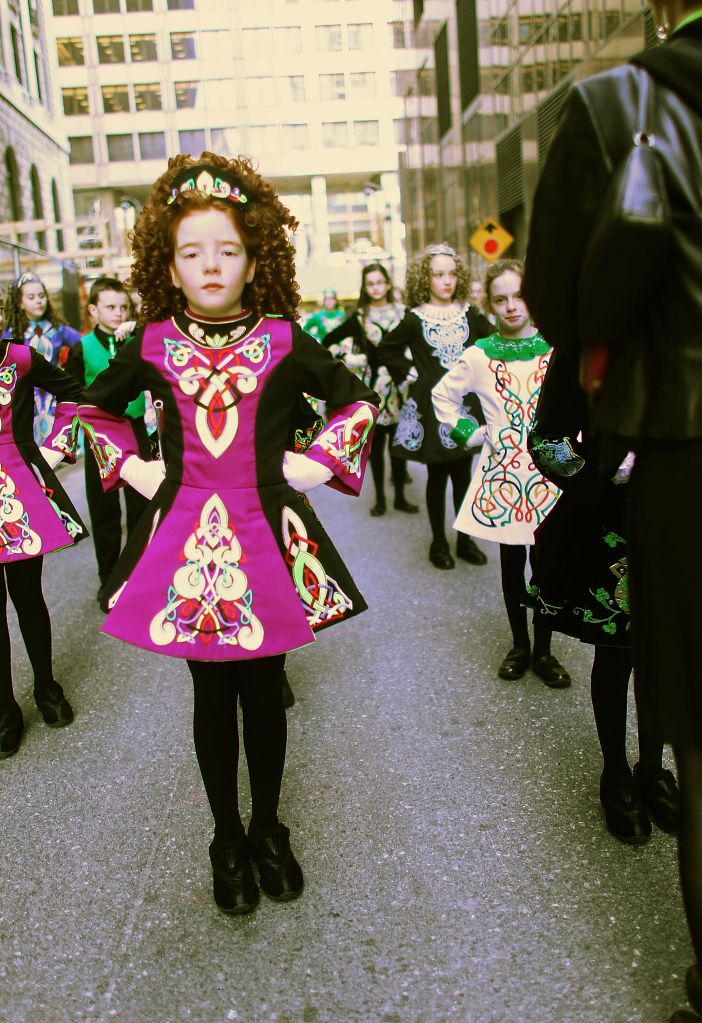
(651, 393)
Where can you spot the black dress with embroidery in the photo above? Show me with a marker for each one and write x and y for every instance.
(579, 561)
(436, 340)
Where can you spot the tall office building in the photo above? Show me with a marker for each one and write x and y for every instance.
(34, 182)
(312, 89)
(483, 103)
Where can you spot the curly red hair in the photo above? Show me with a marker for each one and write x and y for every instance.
(264, 225)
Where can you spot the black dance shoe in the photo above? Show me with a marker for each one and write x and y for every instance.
(233, 886)
(625, 813)
(55, 708)
(288, 694)
(403, 505)
(551, 671)
(11, 729)
(378, 509)
(660, 795)
(468, 550)
(515, 664)
(440, 555)
(280, 875)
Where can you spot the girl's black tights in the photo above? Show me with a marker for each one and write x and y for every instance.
(513, 559)
(437, 481)
(689, 762)
(258, 684)
(22, 579)
(382, 438)
(609, 686)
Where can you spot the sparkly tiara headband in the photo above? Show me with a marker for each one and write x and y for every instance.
(206, 180)
(441, 250)
(26, 278)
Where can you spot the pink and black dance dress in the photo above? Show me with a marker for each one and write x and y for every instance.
(228, 562)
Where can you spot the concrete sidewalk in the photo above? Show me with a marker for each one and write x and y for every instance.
(457, 864)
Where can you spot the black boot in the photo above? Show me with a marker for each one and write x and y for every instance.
(11, 729)
(440, 555)
(233, 886)
(55, 708)
(625, 812)
(468, 550)
(280, 875)
(379, 508)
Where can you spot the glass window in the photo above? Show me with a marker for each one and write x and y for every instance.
(264, 138)
(256, 40)
(293, 88)
(81, 149)
(183, 45)
(143, 47)
(115, 99)
(360, 37)
(70, 51)
(399, 39)
(216, 45)
(192, 141)
(75, 101)
(400, 127)
(65, 7)
(120, 147)
(152, 145)
(188, 95)
(402, 82)
(288, 39)
(106, 6)
(362, 84)
(260, 92)
(181, 5)
(110, 49)
(17, 53)
(332, 87)
(225, 141)
(335, 134)
(147, 96)
(329, 37)
(294, 136)
(140, 5)
(365, 133)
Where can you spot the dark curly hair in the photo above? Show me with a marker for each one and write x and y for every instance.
(16, 318)
(419, 278)
(263, 225)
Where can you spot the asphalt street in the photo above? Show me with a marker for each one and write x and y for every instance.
(456, 860)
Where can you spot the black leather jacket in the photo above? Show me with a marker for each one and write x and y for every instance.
(653, 388)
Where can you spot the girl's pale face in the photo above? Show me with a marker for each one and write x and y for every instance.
(33, 300)
(377, 287)
(443, 280)
(210, 264)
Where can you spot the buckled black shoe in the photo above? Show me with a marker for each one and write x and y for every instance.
(468, 550)
(625, 813)
(11, 729)
(280, 875)
(233, 885)
(440, 555)
(401, 504)
(515, 664)
(660, 795)
(378, 509)
(55, 708)
(551, 671)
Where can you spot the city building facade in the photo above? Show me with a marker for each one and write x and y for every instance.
(311, 89)
(484, 102)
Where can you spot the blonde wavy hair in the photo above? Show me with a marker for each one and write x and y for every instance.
(418, 280)
(264, 225)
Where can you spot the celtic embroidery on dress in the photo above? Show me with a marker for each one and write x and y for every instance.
(506, 494)
(209, 600)
(410, 432)
(217, 379)
(345, 439)
(447, 339)
(16, 535)
(107, 454)
(322, 598)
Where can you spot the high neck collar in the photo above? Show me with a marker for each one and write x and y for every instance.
(214, 332)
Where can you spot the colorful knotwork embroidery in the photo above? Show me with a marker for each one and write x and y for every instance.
(322, 598)
(16, 535)
(344, 439)
(107, 453)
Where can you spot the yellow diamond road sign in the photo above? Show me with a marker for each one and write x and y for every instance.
(491, 240)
